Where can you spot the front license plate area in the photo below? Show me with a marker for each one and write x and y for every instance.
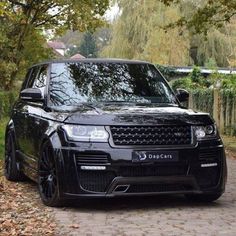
(155, 156)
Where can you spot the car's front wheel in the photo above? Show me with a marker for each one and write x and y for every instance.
(12, 165)
(48, 179)
(205, 198)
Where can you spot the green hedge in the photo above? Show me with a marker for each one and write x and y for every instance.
(228, 102)
(203, 100)
(7, 100)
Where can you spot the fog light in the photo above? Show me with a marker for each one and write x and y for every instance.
(209, 165)
(93, 167)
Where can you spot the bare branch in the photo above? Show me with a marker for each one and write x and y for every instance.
(47, 20)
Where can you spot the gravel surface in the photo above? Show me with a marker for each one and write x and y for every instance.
(162, 215)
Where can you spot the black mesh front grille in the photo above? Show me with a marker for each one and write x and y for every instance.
(95, 181)
(151, 135)
(152, 188)
(139, 171)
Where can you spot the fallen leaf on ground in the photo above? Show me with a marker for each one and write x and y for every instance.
(21, 211)
(74, 226)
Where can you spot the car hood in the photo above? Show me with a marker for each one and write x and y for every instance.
(127, 115)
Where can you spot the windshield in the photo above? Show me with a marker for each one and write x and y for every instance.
(91, 82)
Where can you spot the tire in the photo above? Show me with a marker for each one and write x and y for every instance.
(205, 198)
(12, 166)
(47, 177)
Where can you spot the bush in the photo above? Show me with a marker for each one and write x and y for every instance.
(228, 82)
(7, 100)
(203, 100)
(196, 76)
(194, 81)
(185, 83)
(228, 102)
(167, 72)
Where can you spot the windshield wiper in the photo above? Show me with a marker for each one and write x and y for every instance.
(117, 101)
(91, 106)
(78, 106)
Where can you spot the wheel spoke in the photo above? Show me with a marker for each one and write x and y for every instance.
(42, 181)
(50, 158)
(53, 187)
(44, 161)
(50, 192)
(46, 189)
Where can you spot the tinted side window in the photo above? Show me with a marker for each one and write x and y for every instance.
(24, 85)
(33, 76)
(41, 79)
(38, 78)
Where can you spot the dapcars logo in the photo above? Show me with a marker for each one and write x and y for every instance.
(142, 156)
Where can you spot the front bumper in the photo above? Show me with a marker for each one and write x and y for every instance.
(122, 177)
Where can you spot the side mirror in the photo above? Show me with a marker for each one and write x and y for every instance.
(31, 94)
(182, 95)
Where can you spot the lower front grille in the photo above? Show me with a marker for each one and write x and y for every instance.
(95, 181)
(91, 158)
(206, 155)
(99, 180)
(207, 177)
(152, 188)
(139, 171)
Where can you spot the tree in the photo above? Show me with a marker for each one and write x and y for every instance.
(21, 18)
(138, 33)
(217, 47)
(103, 36)
(88, 47)
(73, 40)
(207, 13)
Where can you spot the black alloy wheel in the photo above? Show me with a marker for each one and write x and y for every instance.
(12, 166)
(47, 174)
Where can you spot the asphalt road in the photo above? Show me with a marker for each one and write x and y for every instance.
(162, 215)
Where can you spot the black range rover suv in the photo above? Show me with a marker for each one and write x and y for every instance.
(97, 128)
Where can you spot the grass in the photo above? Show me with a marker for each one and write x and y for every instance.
(3, 123)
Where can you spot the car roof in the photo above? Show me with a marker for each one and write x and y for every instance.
(93, 60)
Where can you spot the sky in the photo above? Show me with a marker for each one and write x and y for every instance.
(112, 12)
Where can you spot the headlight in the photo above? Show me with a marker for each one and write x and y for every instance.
(205, 132)
(86, 133)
